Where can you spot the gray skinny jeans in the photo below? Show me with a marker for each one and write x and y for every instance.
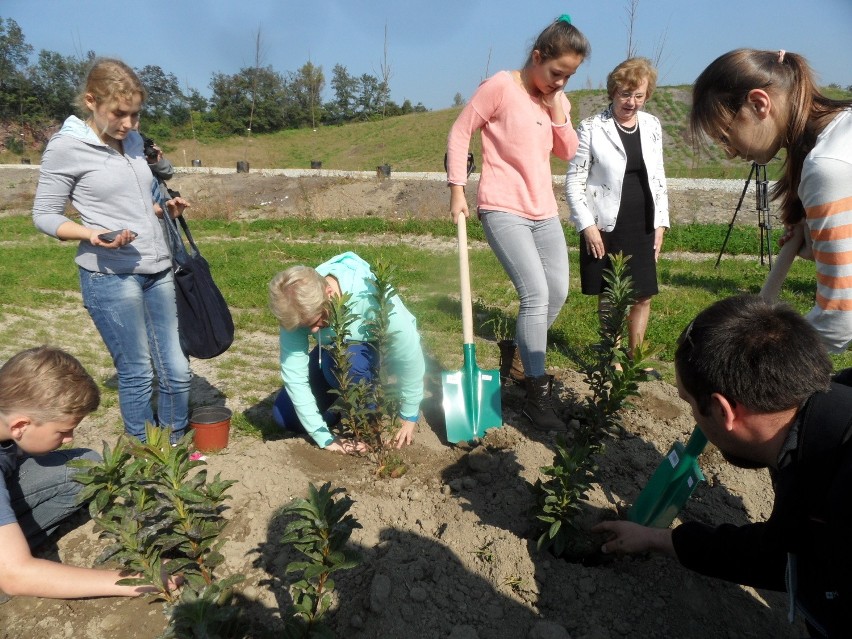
(535, 256)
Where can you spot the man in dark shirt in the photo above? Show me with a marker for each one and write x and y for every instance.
(758, 381)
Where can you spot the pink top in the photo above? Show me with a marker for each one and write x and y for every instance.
(517, 140)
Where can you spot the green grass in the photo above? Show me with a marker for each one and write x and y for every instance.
(427, 280)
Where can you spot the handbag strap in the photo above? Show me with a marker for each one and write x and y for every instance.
(174, 227)
(185, 227)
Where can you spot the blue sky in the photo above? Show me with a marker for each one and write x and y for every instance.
(436, 48)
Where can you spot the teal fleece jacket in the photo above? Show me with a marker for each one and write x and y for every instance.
(355, 277)
(109, 191)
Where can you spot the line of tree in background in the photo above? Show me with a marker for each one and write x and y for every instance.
(260, 97)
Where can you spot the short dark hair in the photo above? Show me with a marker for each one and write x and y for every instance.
(763, 355)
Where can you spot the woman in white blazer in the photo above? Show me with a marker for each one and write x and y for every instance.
(616, 190)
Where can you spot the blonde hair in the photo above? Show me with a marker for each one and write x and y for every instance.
(297, 296)
(108, 82)
(630, 74)
(47, 384)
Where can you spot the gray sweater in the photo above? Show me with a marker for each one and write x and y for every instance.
(109, 191)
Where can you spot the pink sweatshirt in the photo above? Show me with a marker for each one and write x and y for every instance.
(517, 140)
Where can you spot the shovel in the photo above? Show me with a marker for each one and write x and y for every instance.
(471, 396)
(671, 484)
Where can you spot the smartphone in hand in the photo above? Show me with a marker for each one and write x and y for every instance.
(110, 236)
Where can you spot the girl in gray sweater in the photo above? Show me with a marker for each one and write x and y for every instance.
(97, 164)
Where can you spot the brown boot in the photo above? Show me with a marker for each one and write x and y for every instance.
(539, 405)
(511, 366)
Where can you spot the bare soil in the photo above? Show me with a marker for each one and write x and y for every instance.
(446, 549)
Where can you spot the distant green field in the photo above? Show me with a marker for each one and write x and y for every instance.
(417, 142)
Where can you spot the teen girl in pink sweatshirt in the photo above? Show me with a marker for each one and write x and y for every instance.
(524, 117)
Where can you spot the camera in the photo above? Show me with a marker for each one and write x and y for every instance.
(149, 150)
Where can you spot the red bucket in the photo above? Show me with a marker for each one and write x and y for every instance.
(211, 426)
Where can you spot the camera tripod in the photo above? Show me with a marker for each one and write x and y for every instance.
(764, 221)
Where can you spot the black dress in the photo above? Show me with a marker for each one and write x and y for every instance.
(633, 234)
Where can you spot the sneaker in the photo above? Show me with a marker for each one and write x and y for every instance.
(197, 456)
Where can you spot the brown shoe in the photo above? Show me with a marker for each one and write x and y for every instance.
(511, 366)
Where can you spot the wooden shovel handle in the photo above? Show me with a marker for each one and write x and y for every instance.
(783, 262)
(464, 270)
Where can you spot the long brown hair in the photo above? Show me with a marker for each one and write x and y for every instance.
(723, 86)
(557, 39)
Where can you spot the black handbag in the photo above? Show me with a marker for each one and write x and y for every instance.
(204, 320)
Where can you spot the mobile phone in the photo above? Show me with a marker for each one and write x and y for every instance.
(110, 236)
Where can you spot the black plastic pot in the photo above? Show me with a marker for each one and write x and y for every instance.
(196, 163)
(383, 170)
(25, 160)
(242, 166)
(316, 164)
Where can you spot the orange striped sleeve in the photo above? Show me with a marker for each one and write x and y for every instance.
(828, 209)
(833, 259)
(833, 305)
(835, 233)
(844, 281)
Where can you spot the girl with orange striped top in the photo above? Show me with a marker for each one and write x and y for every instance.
(754, 103)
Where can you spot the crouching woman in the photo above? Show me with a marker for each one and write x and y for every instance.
(299, 298)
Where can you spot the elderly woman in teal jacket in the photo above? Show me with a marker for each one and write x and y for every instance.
(298, 299)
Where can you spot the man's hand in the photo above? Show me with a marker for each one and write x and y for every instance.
(627, 538)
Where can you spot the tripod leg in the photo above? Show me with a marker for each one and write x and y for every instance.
(736, 210)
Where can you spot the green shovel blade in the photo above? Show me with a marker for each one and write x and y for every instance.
(471, 399)
(671, 485)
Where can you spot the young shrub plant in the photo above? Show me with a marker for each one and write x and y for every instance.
(369, 411)
(164, 519)
(319, 529)
(612, 374)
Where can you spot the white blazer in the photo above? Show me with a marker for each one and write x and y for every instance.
(595, 175)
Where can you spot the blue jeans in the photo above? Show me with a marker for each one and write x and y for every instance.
(136, 315)
(535, 256)
(363, 360)
(45, 494)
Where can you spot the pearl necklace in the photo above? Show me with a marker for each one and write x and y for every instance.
(626, 131)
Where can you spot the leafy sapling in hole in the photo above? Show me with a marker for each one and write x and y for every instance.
(369, 409)
(613, 378)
